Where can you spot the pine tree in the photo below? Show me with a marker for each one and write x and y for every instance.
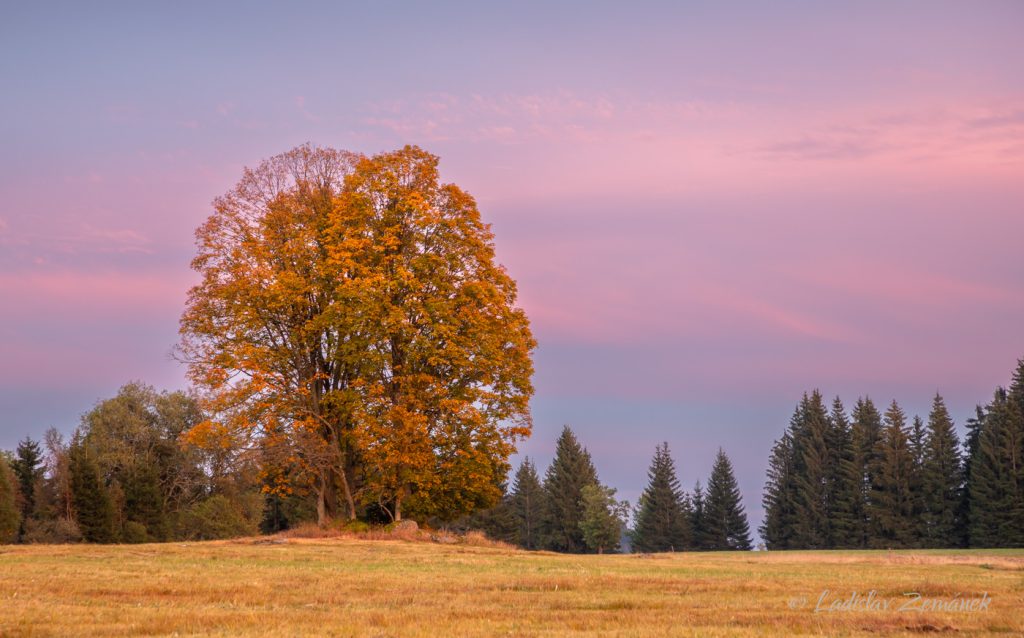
(843, 479)
(865, 432)
(661, 522)
(811, 463)
(725, 523)
(93, 508)
(526, 503)
(892, 505)
(27, 467)
(941, 480)
(10, 514)
(569, 473)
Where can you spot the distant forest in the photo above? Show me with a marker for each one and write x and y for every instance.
(873, 480)
(863, 479)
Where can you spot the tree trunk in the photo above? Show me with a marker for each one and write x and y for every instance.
(321, 502)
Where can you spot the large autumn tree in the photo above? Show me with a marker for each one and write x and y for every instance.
(351, 316)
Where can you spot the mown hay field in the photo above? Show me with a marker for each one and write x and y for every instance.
(359, 587)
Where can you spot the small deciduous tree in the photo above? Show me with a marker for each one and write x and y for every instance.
(602, 518)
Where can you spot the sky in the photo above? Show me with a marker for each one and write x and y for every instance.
(709, 208)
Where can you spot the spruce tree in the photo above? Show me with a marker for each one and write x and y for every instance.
(843, 479)
(865, 431)
(725, 523)
(144, 503)
(917, 442)
(661, 521)
(569, 473)
(997, 471)
(941, 480)
(27, 467)
(892, 505)
(698, 528)
(10, 514)
(93, 508)
(811, 464)
(778, 499)
(526, 503)
(974, 425)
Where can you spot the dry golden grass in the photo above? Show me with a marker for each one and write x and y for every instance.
(349, 586)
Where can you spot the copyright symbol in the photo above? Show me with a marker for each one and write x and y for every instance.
(797, 602)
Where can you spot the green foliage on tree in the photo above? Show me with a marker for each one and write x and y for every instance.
(892, 501)
(780, 512)
(865, 430)
(724, 521)
(602, 518)
(941, 480)
(28, 469)
(698, 527)
(215, 518)
(662, 521)
(810, 442)
(526, 503)
(144, 504)
(997, 470)
(842, 478)
(93, 508)
(570, 471)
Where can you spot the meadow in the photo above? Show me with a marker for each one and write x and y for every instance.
(351, 586)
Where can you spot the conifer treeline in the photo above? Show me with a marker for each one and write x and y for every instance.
(872, 480)
(570, 511)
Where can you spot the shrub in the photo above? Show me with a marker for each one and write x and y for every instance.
(216, 518)
(135, 532)
(51, 531)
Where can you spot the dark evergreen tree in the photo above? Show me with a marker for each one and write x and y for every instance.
(843, 477)
(891, 508)
(917, 442)
(941, 480)
(28, 468)
(779, 494)
(971, 444)
(526, 504)
(698, 527)
(865, 431)
(811, 530)
(661, 520)
(144, 503)
(997, 471)
(725, 523)
(92, 505)
(569, 473)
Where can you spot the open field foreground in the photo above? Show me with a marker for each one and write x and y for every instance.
(346, 587)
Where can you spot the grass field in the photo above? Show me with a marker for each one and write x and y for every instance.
(343, 587)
